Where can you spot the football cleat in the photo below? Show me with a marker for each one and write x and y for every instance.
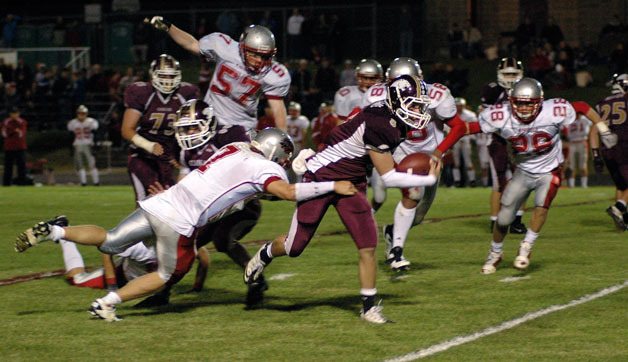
(491, 263)
(103, 311)
(523, 259)
(387, 231)
(375, 315)
(617, 216)
(518, 228)
(255, 267)
(255, 294)
(38, 233)
(396, 259)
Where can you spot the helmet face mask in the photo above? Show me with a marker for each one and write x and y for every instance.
(369, 72)
(403, 65)
(195, 124)
(408, 100)
(257, 48)
(526, 99)
(165, 74)
(509, 71)
(275, 144)
(619, 84)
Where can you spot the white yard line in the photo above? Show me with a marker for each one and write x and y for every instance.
(514, 279)
(457, 341)
(282, 276)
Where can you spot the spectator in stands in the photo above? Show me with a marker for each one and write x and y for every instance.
(323, 124)
(552, 33)
(14, 135)
(97, 83)
(455, 37)
(128, 78)
(617, 60)
(326, 80)
(539, 64)
(268, 21)
(141, 37)
(23, 77)
(295, 38)
(58, 33)
(473, 41)
(11, 99)
(406, 33)
(9, 30)
(266, 120)
(302, 82)
(347, 75)
(113, 83)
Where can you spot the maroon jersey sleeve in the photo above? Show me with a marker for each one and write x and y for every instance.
(381, 131)
(136, 95)
(189, 91)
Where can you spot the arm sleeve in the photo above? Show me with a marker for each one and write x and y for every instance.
(133, 98)
(211, 46)
(379, 136)
(277, 82)
(399, 179)
(459, 128)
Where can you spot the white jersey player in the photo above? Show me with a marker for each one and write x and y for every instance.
(532, 127)
(297, 126)
(83, 128)
(172, 218)
(351, 98)
(462, 149)
(577, 136)
(245, 69)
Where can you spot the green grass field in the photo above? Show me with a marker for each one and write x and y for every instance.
(313, 313)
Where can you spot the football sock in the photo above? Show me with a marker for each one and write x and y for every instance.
(621, 205)
(71, 256)
(584, 181)
(56, 232)
(494, 218)
(571, 182)
(518, 217)
(531, 237)
(82, 176)
(95, 176)
(484, 181)
(456, 173)
(496, 247)
(471, 175)
(266, 254)
(112, 298)
(368, 298)
(403, 222)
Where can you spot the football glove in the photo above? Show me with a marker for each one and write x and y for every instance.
(608, 138)
(298, 164)
(598, 162)
(159, 23)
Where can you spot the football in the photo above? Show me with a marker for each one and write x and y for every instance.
(418, 164)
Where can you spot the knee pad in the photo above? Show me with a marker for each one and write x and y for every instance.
(505, 217)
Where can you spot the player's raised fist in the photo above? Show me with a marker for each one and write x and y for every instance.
(159, 23)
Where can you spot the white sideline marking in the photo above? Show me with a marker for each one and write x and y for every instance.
(514, 279)
(282, 276)
(457, 341)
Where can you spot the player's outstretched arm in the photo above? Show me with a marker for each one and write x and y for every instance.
(279, 113)
(184, 39)
(308, 190)
(385, 166)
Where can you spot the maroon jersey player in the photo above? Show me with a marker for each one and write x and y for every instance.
(147, 124)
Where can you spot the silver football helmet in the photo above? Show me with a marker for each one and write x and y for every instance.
(275, 144)
(369, 72)
(165, 74)
(195, 124)
(259, 41)
(509, 71)
(526, 99)
(294, 109)
(403, 65)
(82, 109)
(461, 102)
(619, 84)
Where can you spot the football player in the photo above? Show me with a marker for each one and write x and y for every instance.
(414, 204)
(244, 70)
(297, 125)
(532, 125)
(369, 136)
(462, 149)
(83, 128)
(577, 159)
(509, 71)
(147, 124)
(612, 110)
(350, 98)
(173, 217)
(323, 124)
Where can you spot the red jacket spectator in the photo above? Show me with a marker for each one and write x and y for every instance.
(322, 125)
(14, 133)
